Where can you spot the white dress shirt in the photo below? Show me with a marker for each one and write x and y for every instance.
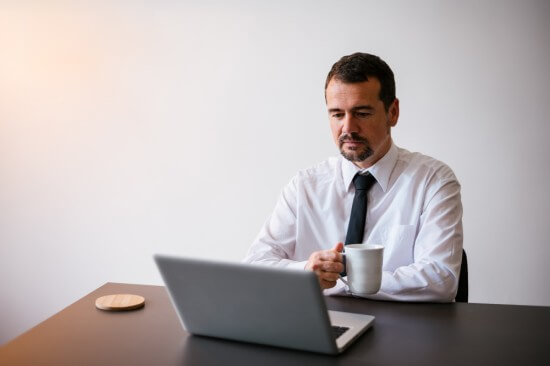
(414, 211)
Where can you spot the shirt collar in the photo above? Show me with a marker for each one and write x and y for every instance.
(381, 170)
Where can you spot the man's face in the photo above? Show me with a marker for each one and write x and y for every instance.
(360, 125)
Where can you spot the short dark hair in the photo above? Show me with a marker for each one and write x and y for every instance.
(358, 67)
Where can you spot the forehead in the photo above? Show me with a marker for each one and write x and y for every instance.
(346, 95)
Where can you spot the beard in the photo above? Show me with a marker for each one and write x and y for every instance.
(355, 153)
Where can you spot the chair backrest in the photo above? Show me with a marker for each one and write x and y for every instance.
(462, 293)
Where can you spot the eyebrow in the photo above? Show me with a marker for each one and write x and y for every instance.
(354, 109)
(369, 107)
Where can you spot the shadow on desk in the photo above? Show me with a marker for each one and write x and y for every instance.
(200, 350)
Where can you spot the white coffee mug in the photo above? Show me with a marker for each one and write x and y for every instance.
(364, 268)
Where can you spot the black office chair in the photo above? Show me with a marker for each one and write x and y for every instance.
(462, 293)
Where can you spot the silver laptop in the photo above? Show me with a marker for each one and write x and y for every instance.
(258, 304)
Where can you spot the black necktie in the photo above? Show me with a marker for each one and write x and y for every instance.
(356, 226)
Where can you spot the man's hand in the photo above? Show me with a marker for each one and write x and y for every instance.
(327, 264)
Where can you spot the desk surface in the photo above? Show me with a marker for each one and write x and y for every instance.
(403, 333)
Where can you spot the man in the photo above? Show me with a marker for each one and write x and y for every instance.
(413, 203)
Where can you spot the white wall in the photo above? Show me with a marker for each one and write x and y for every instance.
(130, 128)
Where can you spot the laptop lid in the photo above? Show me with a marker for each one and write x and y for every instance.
(251, 303)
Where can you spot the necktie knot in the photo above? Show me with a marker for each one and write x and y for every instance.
(363, 182)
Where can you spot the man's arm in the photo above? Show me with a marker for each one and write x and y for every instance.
(276, 243)
(437, 252)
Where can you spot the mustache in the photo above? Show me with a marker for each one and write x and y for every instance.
(354, 137)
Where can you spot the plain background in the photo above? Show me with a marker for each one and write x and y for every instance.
(129, 128)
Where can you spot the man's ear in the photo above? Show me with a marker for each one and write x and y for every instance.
(393, 113)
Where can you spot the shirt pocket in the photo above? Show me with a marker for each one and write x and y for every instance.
(399, 246)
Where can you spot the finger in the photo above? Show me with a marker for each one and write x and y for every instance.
(327, 266)
(326, 279)
(327, 284)
(339, 247)
(321, 265)
(331, 255)
(329, 276)
(313, 261)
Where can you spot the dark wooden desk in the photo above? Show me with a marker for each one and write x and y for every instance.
(426, 334)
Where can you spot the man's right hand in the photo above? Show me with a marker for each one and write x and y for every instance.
(327, 264)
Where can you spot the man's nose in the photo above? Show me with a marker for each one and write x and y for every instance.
(350, 124)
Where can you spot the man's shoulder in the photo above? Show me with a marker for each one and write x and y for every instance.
(419, 162)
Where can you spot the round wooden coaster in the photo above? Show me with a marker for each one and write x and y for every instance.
(119, 302)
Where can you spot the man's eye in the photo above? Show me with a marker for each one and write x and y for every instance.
(338, 115)
(362, 114)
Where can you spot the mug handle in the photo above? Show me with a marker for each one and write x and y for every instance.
(344, 273)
